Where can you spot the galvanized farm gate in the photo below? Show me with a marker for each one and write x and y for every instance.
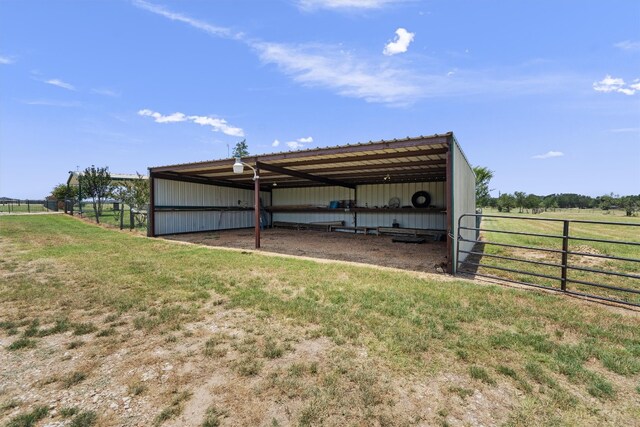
(569, 264)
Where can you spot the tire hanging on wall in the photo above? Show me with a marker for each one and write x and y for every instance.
(415, 200)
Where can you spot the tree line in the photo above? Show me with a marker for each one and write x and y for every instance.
(506, 202)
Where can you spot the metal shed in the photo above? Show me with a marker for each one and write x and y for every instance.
(370, 184)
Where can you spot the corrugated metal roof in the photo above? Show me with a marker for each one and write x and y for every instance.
(414, 159)
(73, 177)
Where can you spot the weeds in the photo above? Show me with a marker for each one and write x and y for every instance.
(248, 366)
(29, 419)
(21, 343)
(84, 419)
(75, 344)
(272, 350)
(83, 328)
(68, 412)
(461, 391)
(73, 378)
(479, 373)
(212, 417)
(173, 410)
(136, 389)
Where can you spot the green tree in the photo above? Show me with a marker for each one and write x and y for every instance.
(64, 192)
(533, 202)
(520, 196)
(96, 183)
(241, 149)
(483, 177)
(134, 193)
(630, 204)
(506, 202)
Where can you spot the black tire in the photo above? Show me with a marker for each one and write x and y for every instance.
(415, 200)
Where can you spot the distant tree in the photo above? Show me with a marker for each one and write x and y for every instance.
(607, 201)
(483, 177)
(96, 183)
(506, 202)
(550, 202)
(534, 203)
(241, 149)
(630, 204)
(520, 197)
(64, 192)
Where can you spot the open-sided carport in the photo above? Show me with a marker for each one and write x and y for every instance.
(376, 184)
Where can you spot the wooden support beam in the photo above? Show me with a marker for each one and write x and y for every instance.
(303, 175)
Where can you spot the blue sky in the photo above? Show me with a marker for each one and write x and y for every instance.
(544, 93)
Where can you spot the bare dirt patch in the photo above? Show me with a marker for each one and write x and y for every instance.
(369, 249)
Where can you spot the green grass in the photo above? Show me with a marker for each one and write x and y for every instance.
(579, 230)
(29, 419)
(417, 326)
(84, 419)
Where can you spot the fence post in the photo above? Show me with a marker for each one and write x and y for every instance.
(28, 206)
(121, 216)
(565, 249)
(132, 219)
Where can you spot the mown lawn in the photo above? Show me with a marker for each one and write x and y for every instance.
(554, 360)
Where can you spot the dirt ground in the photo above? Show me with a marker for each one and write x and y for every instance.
(368, 249)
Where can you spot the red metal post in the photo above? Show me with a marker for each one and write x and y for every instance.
(257, 206)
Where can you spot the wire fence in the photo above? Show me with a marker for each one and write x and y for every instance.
(113, 213)
(9, 206)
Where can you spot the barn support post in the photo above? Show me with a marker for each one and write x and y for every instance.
(451, 244)
(256, 208)
(151, 212)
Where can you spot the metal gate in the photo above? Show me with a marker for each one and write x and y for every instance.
(577, 257)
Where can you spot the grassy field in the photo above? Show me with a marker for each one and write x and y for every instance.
(117, 329)
(581, 230)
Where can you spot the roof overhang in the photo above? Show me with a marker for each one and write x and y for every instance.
(417, 159)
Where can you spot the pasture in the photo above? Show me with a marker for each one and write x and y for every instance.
(585, 265)
(110, 328)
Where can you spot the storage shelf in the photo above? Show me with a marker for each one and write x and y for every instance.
(352, 210)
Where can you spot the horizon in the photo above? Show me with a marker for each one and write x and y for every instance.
(551, 108)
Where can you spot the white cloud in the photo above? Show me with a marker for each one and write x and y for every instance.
(548, 155)
(341, 72)
(106, 92)
(345, 4)
(201, 25)
(614, 84)
(299, 143)
(275, 143)
(6, 60)
(628, 45)
(400, 44)
(159, 118)
(218, 125)
(52, 103)
(60, 83)
(294, 145)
